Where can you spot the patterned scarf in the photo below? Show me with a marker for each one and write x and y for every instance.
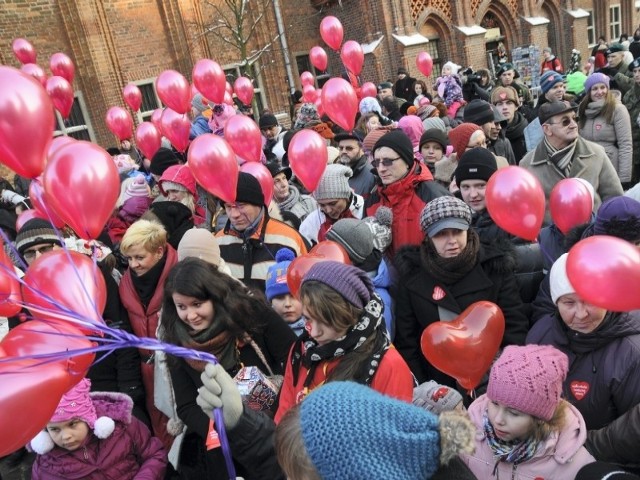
(510, 452)
(561, 159)
(215, 340)
(308, 353)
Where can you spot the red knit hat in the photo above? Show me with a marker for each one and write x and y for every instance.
(459, 136)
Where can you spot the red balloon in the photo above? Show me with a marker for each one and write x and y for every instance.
(175, 126)
(37, 337)
(243, 134)
(23, 50)
(174, 91)
(82, 185)
(29, 395)
(318, 58)
(62, 66)
(41, 205)
(36, 72)
(605, 271)
(306, 78)
(331, 250)
(331, 32)
(61, 93)
(213, 164)
(148, 139)
(368, 89)
(132, 96)
(515, 201)
(323, 251)
(209, 79)
(155, 118)
(352, 56)
(10, 294)
(228, 99)
(59, 142)
(340, 102)
(308, 156)
(424, 62)
(465, 347)
(309, 94)
(570, 204)
(262, 174)
(119, 122)
(63, 281)
(24, 104)
(244, 90)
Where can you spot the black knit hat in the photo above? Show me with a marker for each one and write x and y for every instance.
(397, 141)
(163, 159)
(268, 120)
(435, 135)
(476, 164)
(249, 190)
(478, 111)
(35, 232)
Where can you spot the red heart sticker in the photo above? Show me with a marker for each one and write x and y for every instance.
(438, 294)
(579, 389)
(503, 96)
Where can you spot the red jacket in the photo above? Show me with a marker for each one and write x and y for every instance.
(551, 64)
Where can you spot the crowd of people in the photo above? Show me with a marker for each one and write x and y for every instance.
(403, 195)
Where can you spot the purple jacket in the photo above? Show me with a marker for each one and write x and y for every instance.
(603, 381)
(130, 452)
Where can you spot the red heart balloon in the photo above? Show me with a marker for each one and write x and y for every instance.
(10, 294)
(570, 204)
(465, 347)
(331, 250)
(63, 281)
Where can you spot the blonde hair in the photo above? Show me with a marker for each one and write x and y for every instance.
(150, 235)
(290, 450)
(542, 428)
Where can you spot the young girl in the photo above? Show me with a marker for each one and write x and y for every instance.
(449, 88)
(93, 435)
(525, 430)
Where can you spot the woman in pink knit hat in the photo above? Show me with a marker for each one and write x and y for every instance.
(525, 429)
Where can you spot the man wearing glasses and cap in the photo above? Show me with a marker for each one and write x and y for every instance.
(564, 154)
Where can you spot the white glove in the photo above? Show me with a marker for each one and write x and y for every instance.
(220, 391)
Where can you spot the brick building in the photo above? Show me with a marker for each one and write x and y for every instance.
(115, 42)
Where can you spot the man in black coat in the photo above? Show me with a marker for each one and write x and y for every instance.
(404, 86)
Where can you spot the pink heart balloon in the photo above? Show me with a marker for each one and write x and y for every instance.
(213, 164)
(244, 136)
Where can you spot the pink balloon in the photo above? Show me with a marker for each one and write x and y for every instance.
(340, 102)
(264, 177)
(174, 91)
(155, 118)
(570, 204)
(318, 58)
(36, 72)
(26, 122)
(368, 89)
(175, 127)
(331, 32)
(23, 50)
(308, 156)
(244, 90)
(213, 164)
(119, 122)
(318, 104)
(228, 88)
(62, 66)
(82, 185)
(148, 139)
(309, 94)
(41, 204)
(306, 78)
(352, 56)
(209, 79)
(424, 62)
(61, 93)
(244, 136)
(228, 99)
(132, 96)
(59, 142)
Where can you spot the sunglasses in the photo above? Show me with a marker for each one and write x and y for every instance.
(565, 122)
(387, 162)
(31, 254)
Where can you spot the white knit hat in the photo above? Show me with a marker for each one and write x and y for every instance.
(334, 183)
(558, 279)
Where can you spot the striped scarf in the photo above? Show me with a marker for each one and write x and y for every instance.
(511, 452)
(561, 159)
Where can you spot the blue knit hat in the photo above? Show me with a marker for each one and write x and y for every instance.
(351, 282)
(276, 283)
(549, 79)
(351, 432)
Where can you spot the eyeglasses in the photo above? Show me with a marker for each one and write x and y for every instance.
(31, 254)
(387, 162)
(565, 122)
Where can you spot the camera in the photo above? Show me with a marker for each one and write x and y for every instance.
(471, 76)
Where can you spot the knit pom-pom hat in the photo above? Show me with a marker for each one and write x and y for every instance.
(334, 183)
(276, 282)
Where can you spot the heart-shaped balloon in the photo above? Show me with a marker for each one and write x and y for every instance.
(298, 268)
(465, 347)
(213, 164)
(331, 250)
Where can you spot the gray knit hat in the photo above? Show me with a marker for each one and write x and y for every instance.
(355, 236)
(334, 183)
(35, 232)
(445, 212)
(199, 103)
(350, 282)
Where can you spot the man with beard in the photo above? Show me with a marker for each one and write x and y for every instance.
(352, 155)
(507, 102)
(490, 120)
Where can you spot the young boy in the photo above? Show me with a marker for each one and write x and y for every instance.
(277, 290)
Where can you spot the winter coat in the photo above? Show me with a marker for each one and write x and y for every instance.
(381, 279)
(553, 63)
(200, 126)
(590, 162)
(298, 204)
(144, 322)
(310, 227)
(614, 137)
(603, 381)
(275, 343)
(449, 89)
(404, 88)
(623, 77)
(515, 135)
(130, 452)
(363, 181)
(560, 456)
(418, 305)
(406, 198)
(631, 100)
(502, 147)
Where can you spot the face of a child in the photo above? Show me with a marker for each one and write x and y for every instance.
(446, 71)
(287, 306)
(320, 331)
(509, 424)
(69, 435)
(432, 152)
